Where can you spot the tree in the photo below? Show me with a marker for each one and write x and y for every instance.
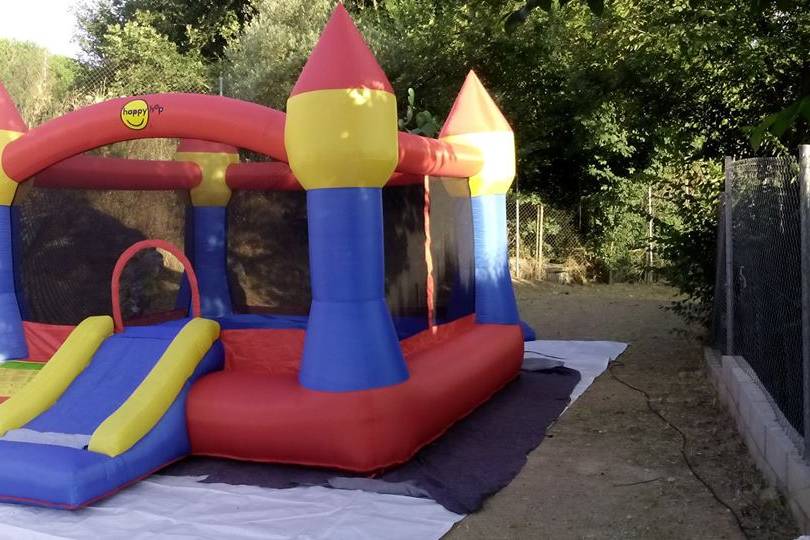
(791, 125)
(606, 99)
(264, 61)
(39, 81)
(202, 27)
(520, 15)
(135, 59)
(606, 104)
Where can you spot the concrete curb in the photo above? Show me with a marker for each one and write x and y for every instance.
(765, 435)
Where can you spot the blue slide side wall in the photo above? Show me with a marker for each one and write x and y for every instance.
(69, 477)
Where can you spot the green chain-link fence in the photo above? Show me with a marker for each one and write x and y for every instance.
(551, 243)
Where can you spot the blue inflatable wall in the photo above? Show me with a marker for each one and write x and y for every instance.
(12, 336)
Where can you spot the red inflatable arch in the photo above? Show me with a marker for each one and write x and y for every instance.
(127, 255)
(211, 118)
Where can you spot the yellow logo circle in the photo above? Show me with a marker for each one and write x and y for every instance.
(135, 114)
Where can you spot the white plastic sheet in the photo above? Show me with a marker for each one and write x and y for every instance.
(590, 358)
(70, 440)
(183, 508)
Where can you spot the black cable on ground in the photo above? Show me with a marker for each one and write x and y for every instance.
(684, 442)
(544, 355)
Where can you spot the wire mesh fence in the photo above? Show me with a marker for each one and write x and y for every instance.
(45, 86)
(552, 243)
(545, 243)
(758, 290)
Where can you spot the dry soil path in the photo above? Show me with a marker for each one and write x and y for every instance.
(610, 468)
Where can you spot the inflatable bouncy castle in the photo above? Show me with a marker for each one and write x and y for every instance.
(381, 310)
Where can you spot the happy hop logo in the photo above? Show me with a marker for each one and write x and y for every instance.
(135, 113)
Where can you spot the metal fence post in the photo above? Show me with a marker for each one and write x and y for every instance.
(727, 222)
(542, 239)
(649, 261)
(804, 241)
(517, 237)
(537, 260)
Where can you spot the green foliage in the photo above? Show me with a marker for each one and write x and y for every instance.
(38, 81)
(519, 16)
(634, 98)
(778, 123)
(419, 122)
(689, 233)
(263, 63)
(130, 55)
(136, 59)
(202, 27)
(618, 230)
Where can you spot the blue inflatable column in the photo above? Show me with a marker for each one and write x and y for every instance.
(207, 233)
(12, 335)
(476, 121)
(209, 245)
(494, 296)
(351, 342)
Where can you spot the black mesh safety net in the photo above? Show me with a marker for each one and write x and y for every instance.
(405, 263)
(268, 252)
(451, 232)
(66, 242)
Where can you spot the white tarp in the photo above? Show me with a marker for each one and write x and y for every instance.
(590, 358)
(70, 440)
(183, 508)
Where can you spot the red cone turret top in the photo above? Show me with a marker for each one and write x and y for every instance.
(10, 119)
(474, 111)
(341, 59)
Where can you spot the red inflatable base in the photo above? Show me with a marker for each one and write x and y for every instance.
(258, 411)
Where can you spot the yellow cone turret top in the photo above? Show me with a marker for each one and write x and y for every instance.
(475, 120)
(341, 128)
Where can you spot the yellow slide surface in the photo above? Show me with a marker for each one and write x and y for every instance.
(152, 398)
(57, 375)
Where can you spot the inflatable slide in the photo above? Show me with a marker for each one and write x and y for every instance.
(108, 408)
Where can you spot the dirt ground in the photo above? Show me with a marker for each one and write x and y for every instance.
(611, 469)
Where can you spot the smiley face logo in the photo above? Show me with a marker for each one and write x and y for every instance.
(135, 114)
